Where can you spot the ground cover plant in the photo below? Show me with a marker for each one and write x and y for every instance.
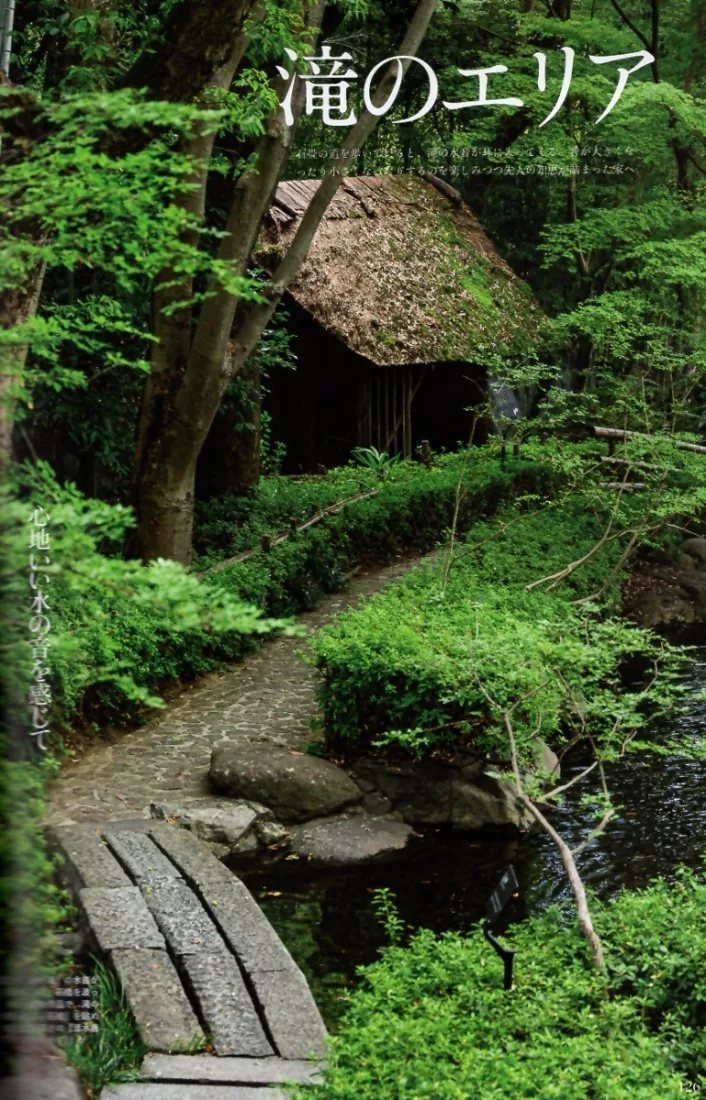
(414, 667)
(114, 1053)
(431, 1018)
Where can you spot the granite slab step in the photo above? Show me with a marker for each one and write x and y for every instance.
(157, 999)
(118, 918)
(245, 927)
(182, 918)
(205, 1069)
(141, 856)
(151, 1091)
(194, 859)
(290, 1012)
(88, 862)
(226, 1005)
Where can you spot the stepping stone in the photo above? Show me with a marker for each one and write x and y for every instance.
(119, 918)
(295, 786)
(193, 858)
(159, 1004)
(88, 860)
(204, 1068)
(346, 839)
(189, 1092)
(181, 917)
(216, 820)
(226, 1005)
(141, 856)
(293, 1020)
(246, 928)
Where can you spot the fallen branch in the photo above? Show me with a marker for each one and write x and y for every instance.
(574, 565)
(617, 434)
(330, 511)
(615, 460)
(626, 486)
(613, 573)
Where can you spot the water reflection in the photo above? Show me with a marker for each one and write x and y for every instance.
(327, 921)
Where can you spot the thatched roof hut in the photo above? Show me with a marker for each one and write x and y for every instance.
(400, 275)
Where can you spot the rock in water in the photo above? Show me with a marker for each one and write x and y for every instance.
(353, 839)
(295, 786)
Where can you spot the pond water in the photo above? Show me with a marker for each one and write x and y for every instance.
(326, 919)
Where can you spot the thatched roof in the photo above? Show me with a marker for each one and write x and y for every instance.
(404, 274)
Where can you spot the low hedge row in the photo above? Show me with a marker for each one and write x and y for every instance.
(431, 1020)
(411, 510)
(108, 629)
(415, 665)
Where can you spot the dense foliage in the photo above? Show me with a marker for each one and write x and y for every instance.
(431, 1018)
(124, 631)
(125, 149)
(431, 662)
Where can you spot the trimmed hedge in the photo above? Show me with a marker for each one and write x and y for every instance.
(432, 1022)
(411, 512)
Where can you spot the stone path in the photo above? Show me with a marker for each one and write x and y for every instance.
(198, 960)
(197, 957)
(270, 696)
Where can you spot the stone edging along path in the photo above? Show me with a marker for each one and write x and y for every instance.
(270, 696)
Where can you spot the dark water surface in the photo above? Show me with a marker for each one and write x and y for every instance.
(326, 919)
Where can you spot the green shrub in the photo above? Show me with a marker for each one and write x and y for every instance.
(410, 512)
(431, 1020)
(415, 665)
(122, 632)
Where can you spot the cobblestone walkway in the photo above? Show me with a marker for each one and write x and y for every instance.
(271, 695)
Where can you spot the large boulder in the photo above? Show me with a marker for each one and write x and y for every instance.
(696, 548)
(485, 803)
(354, 838)
(663, 607)
(455, 793)
(295, 786)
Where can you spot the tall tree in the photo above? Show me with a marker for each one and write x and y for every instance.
(197, 49)
(189, 373)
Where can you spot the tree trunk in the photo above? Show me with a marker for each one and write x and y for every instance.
(182, 419)
(230, 459)
(16, 308)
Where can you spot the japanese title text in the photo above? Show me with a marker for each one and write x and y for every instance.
(330, 79)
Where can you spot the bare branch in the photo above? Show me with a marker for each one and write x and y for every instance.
(574, 565)
(567, 858)
(607, 817)
(577, 779)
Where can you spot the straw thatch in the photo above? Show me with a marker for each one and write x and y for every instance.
(403, 274)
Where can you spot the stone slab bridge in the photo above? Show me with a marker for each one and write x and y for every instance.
(199, 961)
